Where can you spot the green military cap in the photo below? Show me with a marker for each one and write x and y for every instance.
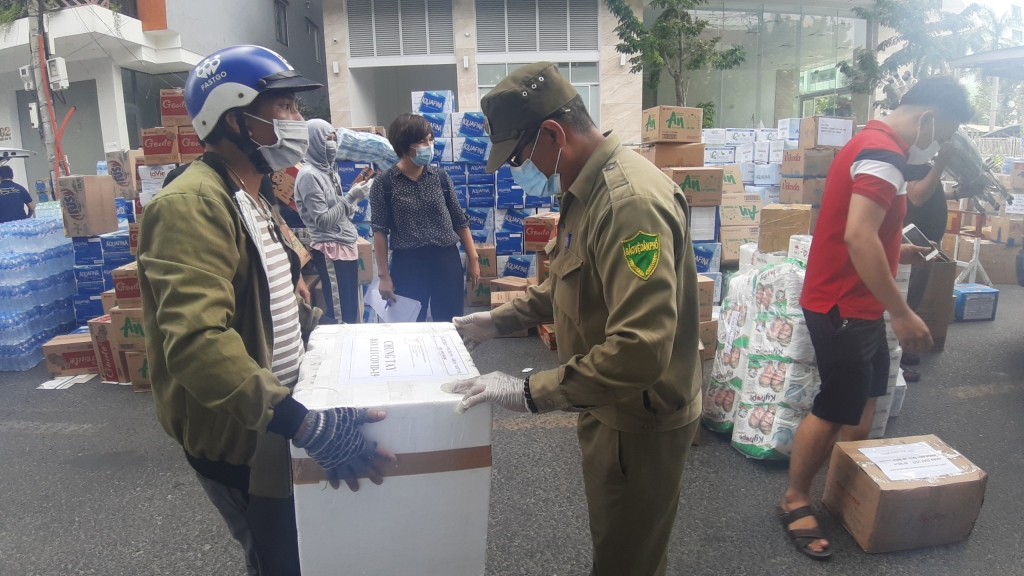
(519, 103)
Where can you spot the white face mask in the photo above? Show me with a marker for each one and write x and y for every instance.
(917, 155)
(292, 143)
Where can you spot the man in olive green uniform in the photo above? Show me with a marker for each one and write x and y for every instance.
(623, 296)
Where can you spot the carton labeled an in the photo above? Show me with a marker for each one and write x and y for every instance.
(70, 355)
(668, 154)
(138, 370)
(735, 236)
(87, 203)
(172, 108)
(160, 145)
(741, 209)
(479, 295)
(702, 186)
(732, 179)
(127, 322)
(671, 124)
(487, 258)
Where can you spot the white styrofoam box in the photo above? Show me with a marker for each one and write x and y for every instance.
(769, 134)
(719, 155)
(767, 174)
(744, 152)
(713, 136)
(468, 125)
(898, 396)
(480, 218)
(789, 128)
(513, 220)
(737, 136)
(775, 151)
(155, 172)
(418, 521)
(747, 172)
(771, 195)
(442, 149)
(440, 123)
(471, 149)
(481, 237)
(791, 145)
(762, 151)
(708, 256)
(704, 224)
(517, 265)
(433, 101)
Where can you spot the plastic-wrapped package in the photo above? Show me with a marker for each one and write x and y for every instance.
(722, 389)
(781, 334)
(753, 259)
(778, 287)
(365, 147)
(766, 431)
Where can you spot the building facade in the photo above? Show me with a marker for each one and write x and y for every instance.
(117, 64)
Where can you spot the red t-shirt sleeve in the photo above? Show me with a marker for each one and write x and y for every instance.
(873, 188)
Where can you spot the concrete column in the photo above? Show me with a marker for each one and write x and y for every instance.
(109, 96)
(336, 50)
(621, 92)
(10, 126)
(464, 13)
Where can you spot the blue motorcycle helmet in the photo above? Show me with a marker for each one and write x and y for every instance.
(231, 79)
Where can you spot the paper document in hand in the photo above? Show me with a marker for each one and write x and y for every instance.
(402, 310)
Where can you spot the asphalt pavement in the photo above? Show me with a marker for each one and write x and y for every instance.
(90, 484)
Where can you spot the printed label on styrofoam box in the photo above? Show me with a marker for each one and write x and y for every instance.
(789, 128)
(511, 220)
(508, 243)
(708, 256)
(471, 149)
(519, 266)
(719, 155)
(480, 218)
(443, 150)
(714, 136)
(481, 236)
(734, 136)
(433, 101)
(768, 134)
(762, 151)
(510, 196)
(538, 201)
(481, 196)
(744, 152)
(747, 172)
(468, 124)
(440, 123)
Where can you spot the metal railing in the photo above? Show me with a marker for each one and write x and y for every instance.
(1006, 147)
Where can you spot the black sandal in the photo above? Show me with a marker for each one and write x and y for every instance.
(803, 537)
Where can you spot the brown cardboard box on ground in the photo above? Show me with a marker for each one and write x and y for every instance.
(702, 186)
(807, 163)
(133, 238)
(500, 298)
(479, 295)
(740, 210)
(138, 371)
(886, 515)
(172, 107)
(668, 154)
(538, 230)
(733, 237)
(487, 257)
(87, 203)
(104, 342)
(780, 221)
(547, 336)
(802, 191)
(936, 308)
(543, 266)
(160, 145)
(709, 337)
(705, 296)
(999, 260)
(109, 300)
(364, 248)
(122, 166)
(1008, 230)
(510, 284)
(671, 124)
(70, 355)
(189, 147)
(732, 179)
(127, 322)
(126, 286)
(825, 132)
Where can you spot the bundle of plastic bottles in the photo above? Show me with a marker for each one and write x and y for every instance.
(36, 285)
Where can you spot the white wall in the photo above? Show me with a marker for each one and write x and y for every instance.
(392, 88)
(109, 94)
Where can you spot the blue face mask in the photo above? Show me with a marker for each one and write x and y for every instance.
(533, 181)
(423, 156)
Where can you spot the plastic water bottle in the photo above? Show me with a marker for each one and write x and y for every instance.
(101, 167)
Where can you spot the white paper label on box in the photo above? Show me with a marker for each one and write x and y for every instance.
(389, 358)
(979, 306)
(450, 356)
(1018, 205)
(834, 131)
(910, 461)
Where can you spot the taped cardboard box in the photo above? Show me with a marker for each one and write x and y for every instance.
(87, 205)
(903, 493)
(70, 355)
(433, 504)
(131, 334)
(538, 230)
(668, 154)
(364, 248)
(741, 210)
(112, 365)
(735, 236)
(547, 336)
(702, 186)
(487, 257)
(705, 296)
(802, 191)
(499, 298)
(172, 108)
(160, 145)
(671, 124)
(825, 132)
(803, 163)
(510, 284)
(479, 295)
(709, 336)
(780, 221)
(138, 371)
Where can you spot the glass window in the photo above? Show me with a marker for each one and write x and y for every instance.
(490, 74)
(314, 33)
(281, 21)
(584, 72)
(563, 69)
(1015, 11)
(583, 76)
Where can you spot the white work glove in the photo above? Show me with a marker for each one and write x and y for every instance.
(359, 191)
(476, 329)
(502, 389)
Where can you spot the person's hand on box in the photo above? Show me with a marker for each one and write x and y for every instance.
(476, 329)
(333, 440)
(503, 389)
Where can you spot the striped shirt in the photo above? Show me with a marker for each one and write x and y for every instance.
(870, 165)
(284, 310)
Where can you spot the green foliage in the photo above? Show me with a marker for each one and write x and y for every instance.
(709, 114)
(674, 43)
(1008, 112)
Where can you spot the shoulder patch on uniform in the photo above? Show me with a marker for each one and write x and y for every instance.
(642, 253)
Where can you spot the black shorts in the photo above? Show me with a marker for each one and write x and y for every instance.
(853, 361)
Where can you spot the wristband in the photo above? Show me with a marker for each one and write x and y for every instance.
(529, 398)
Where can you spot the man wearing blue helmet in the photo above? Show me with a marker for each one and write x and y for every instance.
(225, 331)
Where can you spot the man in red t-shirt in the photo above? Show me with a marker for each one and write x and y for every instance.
(850, 284)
